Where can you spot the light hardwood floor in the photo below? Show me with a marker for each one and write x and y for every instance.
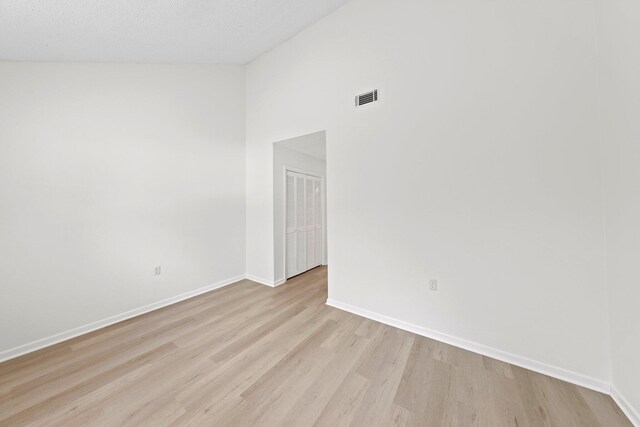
(250, 355)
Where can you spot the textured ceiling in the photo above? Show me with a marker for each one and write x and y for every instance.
(172, 31)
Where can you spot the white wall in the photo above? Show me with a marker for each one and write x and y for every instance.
(620, 84)
(479, 167)
(107, 171)
(285, 157)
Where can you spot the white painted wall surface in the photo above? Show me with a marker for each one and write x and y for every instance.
(107, 171)
(620, 85)
(284, 157)
(479, 167)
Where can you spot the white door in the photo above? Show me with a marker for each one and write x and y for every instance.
(304, 223)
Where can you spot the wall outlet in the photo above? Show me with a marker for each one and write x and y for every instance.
(433, 285)
(157, 270)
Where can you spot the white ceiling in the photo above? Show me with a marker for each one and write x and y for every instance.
(313, 145)
(168, 31)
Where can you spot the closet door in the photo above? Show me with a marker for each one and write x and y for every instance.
(304, 223)
(313, 206)
(317, 221)
(301, 226)
(309, 226)
(292, 234)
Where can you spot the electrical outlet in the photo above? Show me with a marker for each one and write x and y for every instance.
(433, 285)
(157, 270)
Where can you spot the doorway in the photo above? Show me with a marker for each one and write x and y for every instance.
(300, 226)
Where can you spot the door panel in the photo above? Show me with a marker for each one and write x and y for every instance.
(291, 254)
(291, 241)
(303, 223)
(291, 207)
(309, 226)
(310, 250)
(301, 261)
(317, 215)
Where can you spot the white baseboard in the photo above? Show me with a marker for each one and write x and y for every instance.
(270, 283)
(81, 330)
(523, 362)
(627, 408)
(260, 280)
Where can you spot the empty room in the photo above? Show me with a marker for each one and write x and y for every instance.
(320, 213)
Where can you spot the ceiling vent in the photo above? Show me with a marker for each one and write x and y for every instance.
(367, 98)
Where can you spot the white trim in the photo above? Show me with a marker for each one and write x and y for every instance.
(260, 280)
(302, 171)
(623, 403)
(90, 327)
(523, 362)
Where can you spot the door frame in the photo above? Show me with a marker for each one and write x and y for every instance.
(286, 169)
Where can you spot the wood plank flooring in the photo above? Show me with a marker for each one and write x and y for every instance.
(250, 355)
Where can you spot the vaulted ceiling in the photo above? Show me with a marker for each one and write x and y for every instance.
(165, 31)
